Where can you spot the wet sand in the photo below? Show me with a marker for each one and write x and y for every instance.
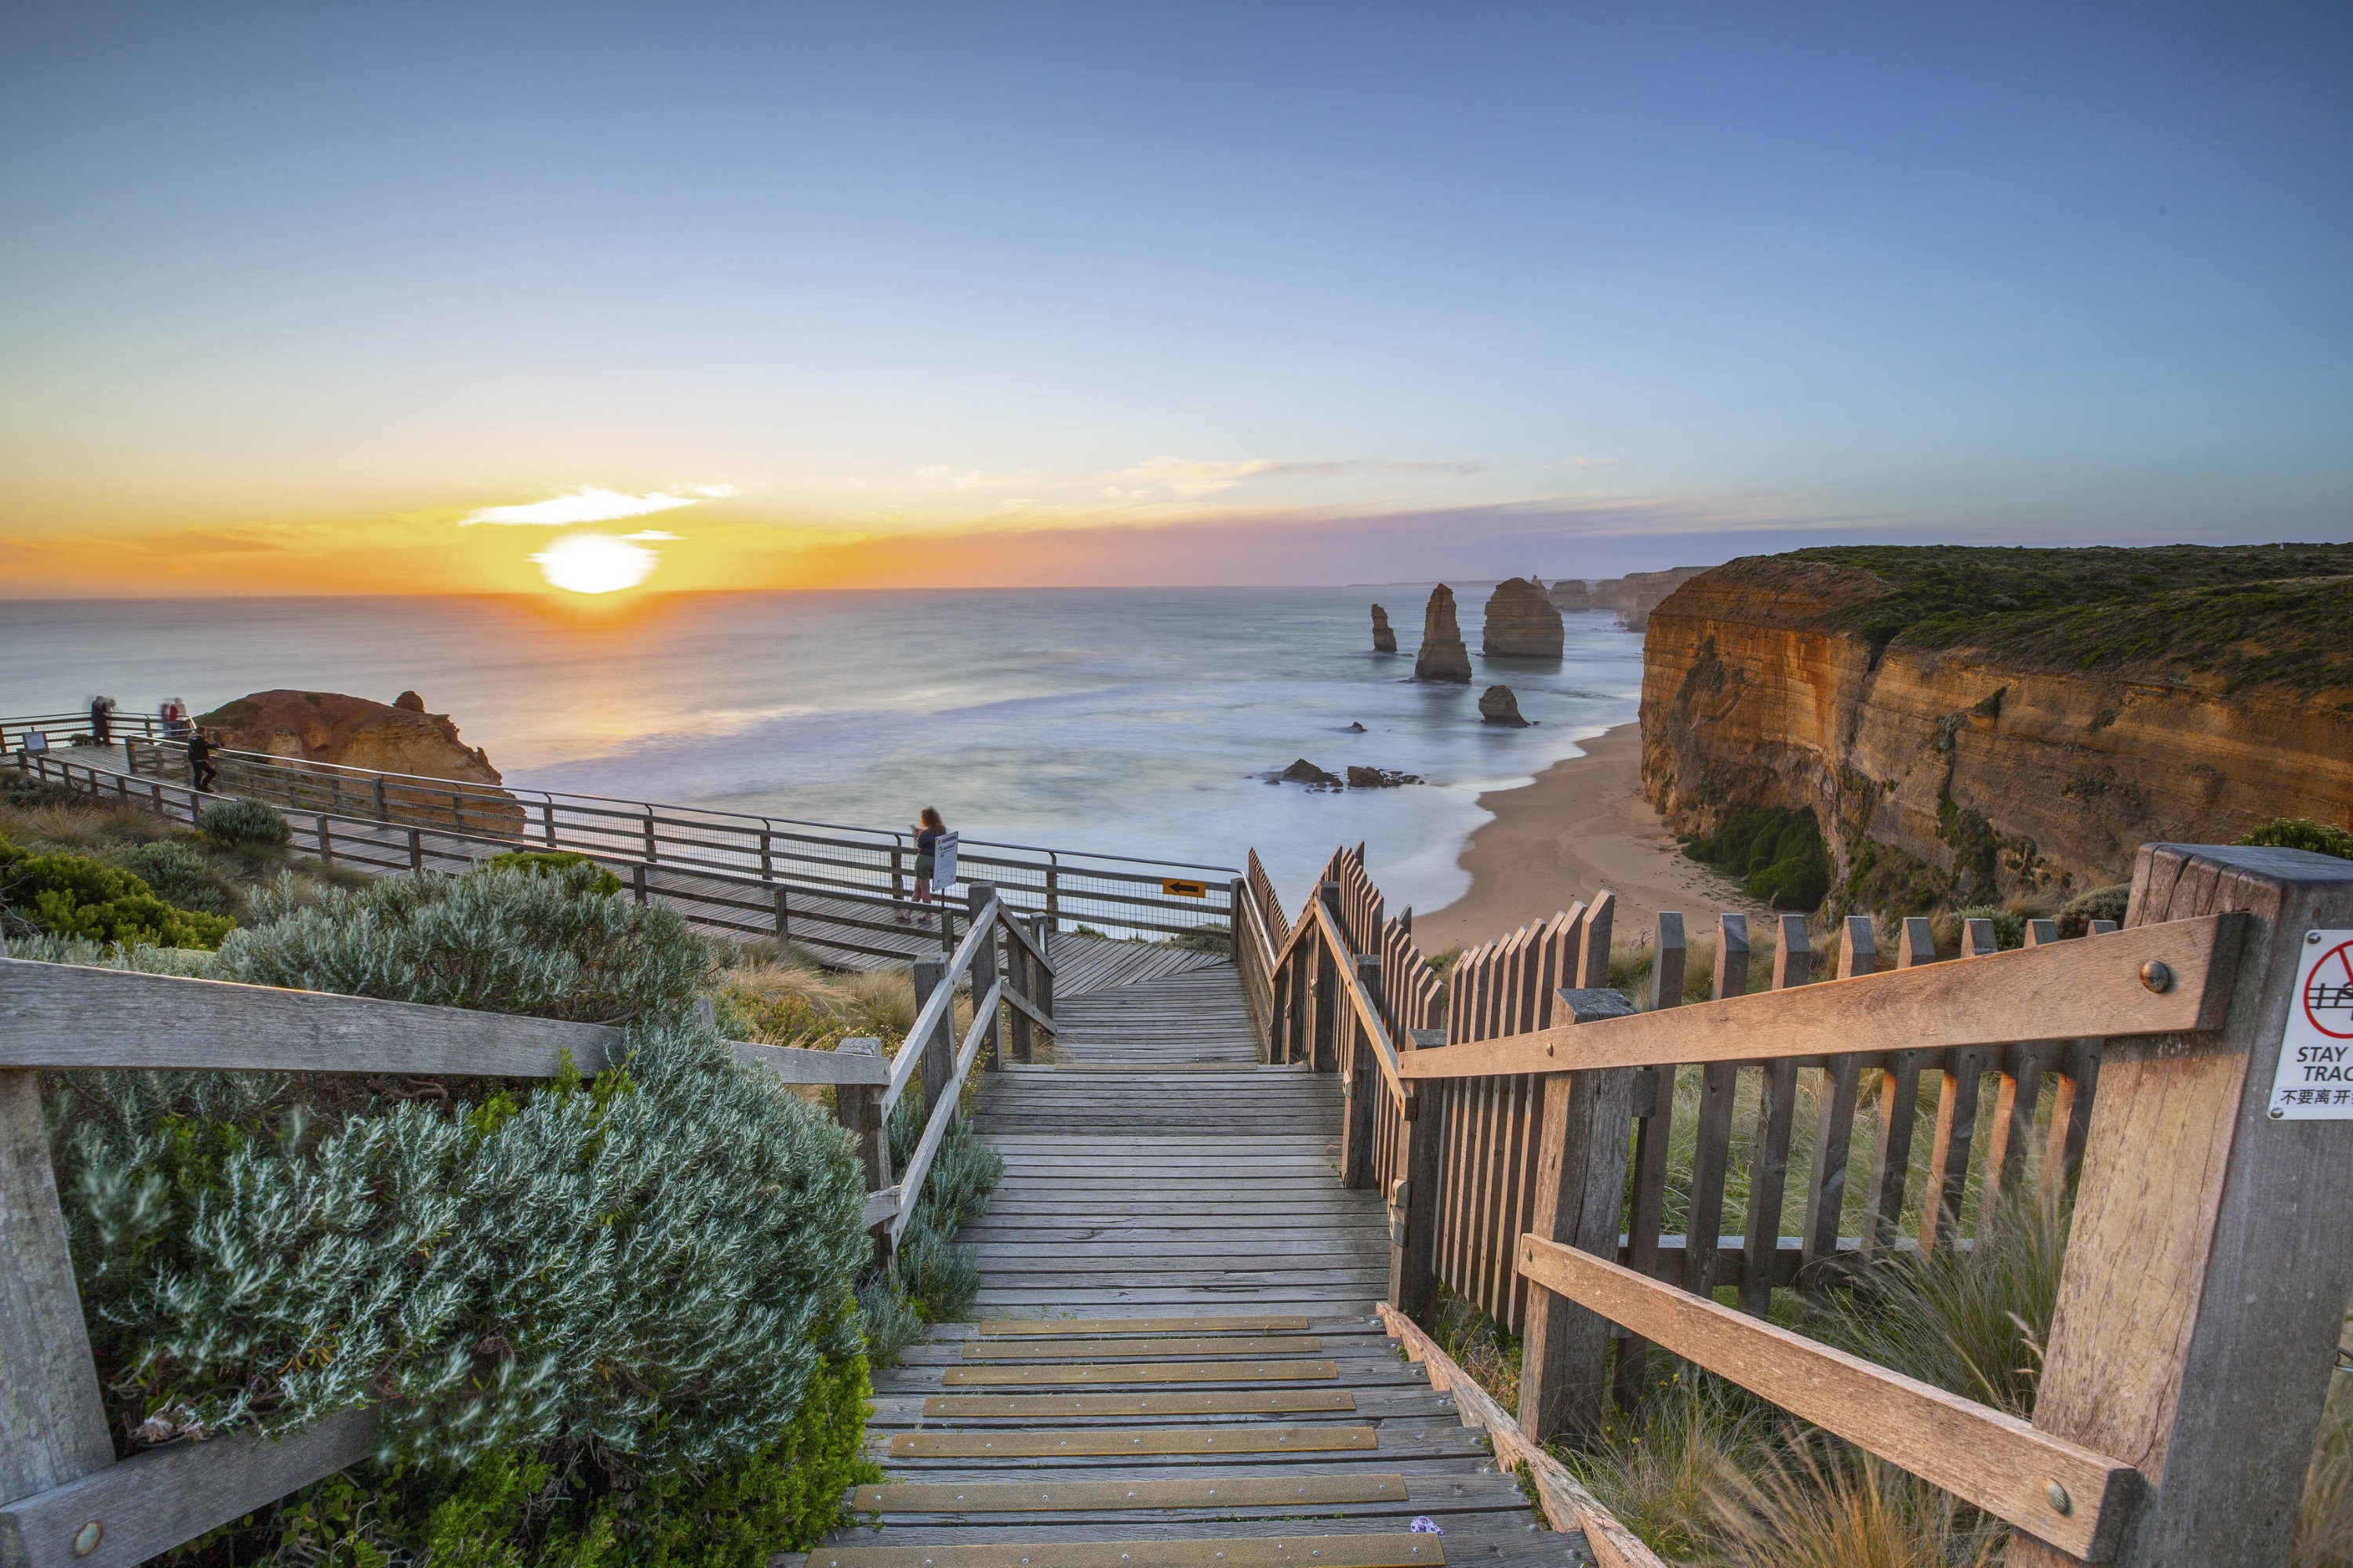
(1581, 826)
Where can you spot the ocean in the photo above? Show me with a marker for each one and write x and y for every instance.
(1116, 720)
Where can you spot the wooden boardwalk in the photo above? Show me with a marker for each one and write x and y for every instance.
(1178, 1364)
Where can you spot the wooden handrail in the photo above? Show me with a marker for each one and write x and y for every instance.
(943, 998)
(1368, 1012)
(2059, 1491)
(918, 1164)
(69, 1015)
(2095, 986)
(1037, 954)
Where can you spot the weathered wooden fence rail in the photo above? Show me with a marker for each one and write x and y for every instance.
(1517, 1115)
(65, 1500)
(834, 890)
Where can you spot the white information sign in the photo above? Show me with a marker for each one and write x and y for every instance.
(2314, 1081)
(944, 862)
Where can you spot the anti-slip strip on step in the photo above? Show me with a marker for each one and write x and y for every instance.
(1216, 1402)
(1144, 1371)
(1384, 1551)
(1042, 1348)
(1216, 1491)
(1121, 1440)
(1066, 1327)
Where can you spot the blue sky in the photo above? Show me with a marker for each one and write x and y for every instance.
(1388, 285)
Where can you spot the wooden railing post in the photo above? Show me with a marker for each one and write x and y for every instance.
(1365, 1085)
(2021, 1087)
(1653, 1110)
(1326, 1042)
(978, 896)
(1956, 1116)
(1580, 1190)
(1041, 979)
(52, 1421)
(857, 1107)
(939, 1050)
(2209, 1266)
(1712, 1153)
(1776, 1109)
(1841, 1086)
(1899, 1105)
(1020, 977)
(1413, 1197)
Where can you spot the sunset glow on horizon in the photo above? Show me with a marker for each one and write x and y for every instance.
(840, 298)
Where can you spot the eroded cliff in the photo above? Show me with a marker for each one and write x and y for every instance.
(1970, 725)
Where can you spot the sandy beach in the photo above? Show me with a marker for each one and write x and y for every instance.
(1582, 825)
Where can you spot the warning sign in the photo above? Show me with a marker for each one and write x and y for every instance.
(1176, 889)
(2314, 1081)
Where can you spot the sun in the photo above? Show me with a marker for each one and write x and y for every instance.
(594, 563)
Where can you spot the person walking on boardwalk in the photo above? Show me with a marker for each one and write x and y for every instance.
(202, 774)
(928, 828)
(102, 720)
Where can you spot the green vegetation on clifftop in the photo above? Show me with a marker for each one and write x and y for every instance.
(2258, 614)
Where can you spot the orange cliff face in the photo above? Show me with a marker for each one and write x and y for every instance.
(2000, 771)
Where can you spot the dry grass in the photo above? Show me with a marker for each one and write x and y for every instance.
(783, 998)
(2323, 1525)
(1811, 1504)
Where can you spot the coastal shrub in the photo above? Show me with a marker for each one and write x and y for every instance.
(639, 1288)
(1775, 851)
(247, 826)
(76, 895)
(498, 940)
(605, 883)
(1889, 882)
(2303, 834)
(23, 792)
(179, 874)
(2076, 915)
(2009, 929)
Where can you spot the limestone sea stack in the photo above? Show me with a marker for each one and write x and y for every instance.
(1442, 656)
(1520, 622)
(1497, 706)
(380, 738)
(1570, 593)
(1384, 634)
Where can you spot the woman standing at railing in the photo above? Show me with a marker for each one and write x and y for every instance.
(202, 773)
(928, 830)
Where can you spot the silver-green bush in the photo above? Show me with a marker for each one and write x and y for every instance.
(547, 943)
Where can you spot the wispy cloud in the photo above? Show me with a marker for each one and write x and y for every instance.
(652, 536)
(1190, 478)
(590, 505)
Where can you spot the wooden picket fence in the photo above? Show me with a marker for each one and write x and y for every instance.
(1517, 1115)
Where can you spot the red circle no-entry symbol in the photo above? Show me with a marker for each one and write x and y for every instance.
(2329, 993)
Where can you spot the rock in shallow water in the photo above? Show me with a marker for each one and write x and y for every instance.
(1497, 706)
(1305, 772)
(1384, 634)
(1379, 778)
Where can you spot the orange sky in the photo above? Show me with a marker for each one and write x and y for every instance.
(694, 547)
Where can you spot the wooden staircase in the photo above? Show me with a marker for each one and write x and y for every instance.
(1180, 1365)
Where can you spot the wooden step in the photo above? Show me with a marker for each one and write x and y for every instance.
(1142, 1326)
(1237, 1439)
(1143, 1372)
(1402, 1550)
(1221, 1402)
(1212, 1491)
(1097, 1350)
